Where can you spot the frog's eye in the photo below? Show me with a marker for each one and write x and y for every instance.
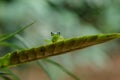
(52, 33)
(55, 33)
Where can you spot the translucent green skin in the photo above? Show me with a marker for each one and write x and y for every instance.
(55, 48)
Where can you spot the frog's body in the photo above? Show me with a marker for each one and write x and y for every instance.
(56, 37)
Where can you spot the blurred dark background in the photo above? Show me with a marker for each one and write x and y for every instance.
(72, 18)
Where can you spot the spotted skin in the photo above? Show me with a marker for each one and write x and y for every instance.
(57, 47)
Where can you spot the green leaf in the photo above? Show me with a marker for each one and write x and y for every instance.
(9, 45)
(62, 68)
(5, 37)
(5, 76)
(11, 74)
(57, 48)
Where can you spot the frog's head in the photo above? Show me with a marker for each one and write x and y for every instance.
(55, 36)
(55, 33)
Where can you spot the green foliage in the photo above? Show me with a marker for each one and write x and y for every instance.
(62, 68)
(56, 48)
(5, 37)
(5, 61)
(59, 46)
(71, 18)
